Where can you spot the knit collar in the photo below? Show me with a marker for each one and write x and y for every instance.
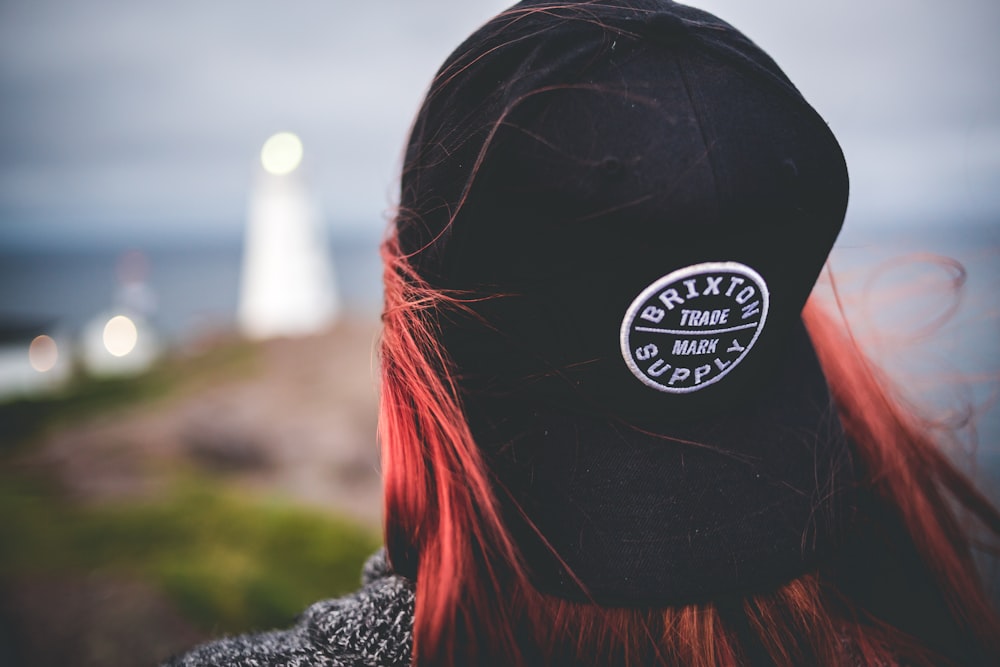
(373, 626)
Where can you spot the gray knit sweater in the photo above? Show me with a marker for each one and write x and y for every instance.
(372, 627)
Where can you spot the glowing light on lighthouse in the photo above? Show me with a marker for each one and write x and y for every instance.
(281, 154)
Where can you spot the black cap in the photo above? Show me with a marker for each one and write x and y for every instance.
(637, 203)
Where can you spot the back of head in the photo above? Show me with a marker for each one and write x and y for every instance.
(601, 408)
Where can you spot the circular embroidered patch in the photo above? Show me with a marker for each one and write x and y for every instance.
(693, 326)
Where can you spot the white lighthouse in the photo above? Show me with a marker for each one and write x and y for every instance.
(287, 284)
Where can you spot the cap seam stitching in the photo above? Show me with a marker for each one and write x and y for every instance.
(701, 127)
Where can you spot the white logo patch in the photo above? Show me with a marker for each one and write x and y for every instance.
(692, 326)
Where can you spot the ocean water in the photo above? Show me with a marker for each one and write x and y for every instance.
(188, 290)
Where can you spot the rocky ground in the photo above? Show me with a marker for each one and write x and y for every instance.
(294, 420)
(298, 422)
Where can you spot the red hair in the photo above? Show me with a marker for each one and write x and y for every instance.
(475, 605)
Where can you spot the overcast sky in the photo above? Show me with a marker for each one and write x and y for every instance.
(126, 119)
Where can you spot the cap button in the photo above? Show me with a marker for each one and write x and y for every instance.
(611, 168)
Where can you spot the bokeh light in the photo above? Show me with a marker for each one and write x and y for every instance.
(43, 353)
(120, 335)
(281, 153)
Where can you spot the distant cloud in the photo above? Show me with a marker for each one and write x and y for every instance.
(146, 118)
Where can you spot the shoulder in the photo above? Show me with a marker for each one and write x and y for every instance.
(372, 626)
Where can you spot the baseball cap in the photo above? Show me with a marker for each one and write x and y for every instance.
(633, 203)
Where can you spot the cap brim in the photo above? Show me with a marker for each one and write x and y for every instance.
(681, 512)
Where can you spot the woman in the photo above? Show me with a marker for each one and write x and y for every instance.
(614, 431)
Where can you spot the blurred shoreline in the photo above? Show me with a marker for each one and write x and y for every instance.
(194, 291)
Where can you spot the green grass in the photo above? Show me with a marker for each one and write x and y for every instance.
(231, 563)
